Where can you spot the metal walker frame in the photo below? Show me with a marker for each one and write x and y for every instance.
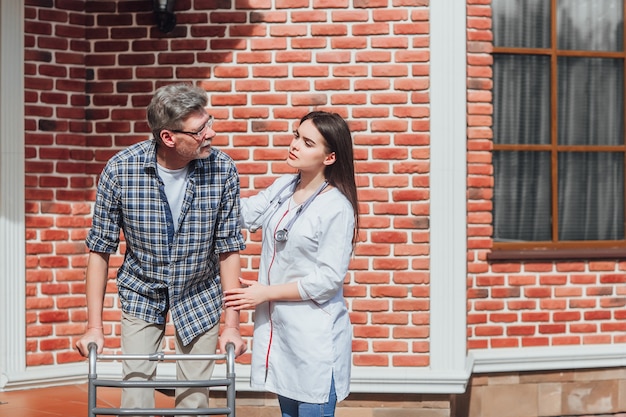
(228, 382)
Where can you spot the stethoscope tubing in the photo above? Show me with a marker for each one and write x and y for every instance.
(282, 235)
(277, 200)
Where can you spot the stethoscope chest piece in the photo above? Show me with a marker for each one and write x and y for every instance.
(281, 235)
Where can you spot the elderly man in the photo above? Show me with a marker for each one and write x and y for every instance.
(176, 199)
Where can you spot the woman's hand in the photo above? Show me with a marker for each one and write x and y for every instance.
(248, 297)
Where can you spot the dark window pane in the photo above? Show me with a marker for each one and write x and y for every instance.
(590, 101)
(521, 99)
(521, 23)
(590, 25)
(522, 196)
(591, 196)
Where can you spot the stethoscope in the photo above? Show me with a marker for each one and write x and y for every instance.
(282, 235)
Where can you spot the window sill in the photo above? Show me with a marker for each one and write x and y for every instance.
(561, 254)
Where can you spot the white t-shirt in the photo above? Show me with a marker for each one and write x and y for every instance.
(175, 181)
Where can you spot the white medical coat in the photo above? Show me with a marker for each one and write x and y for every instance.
(299, 345)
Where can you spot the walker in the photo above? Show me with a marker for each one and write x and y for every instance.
(228, 382)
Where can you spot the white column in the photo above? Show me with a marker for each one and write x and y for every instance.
(448, 216)
(12, 228)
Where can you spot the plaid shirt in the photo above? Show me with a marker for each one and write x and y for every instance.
(166, 267)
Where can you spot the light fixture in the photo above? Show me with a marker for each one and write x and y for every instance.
(164, 14)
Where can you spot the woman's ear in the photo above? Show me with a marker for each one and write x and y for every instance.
(330, 158)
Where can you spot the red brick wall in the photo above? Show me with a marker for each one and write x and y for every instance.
(59, 187)
(91, 67)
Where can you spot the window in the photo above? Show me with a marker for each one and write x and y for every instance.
(558, 125)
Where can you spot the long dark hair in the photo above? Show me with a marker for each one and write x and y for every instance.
(340, 174)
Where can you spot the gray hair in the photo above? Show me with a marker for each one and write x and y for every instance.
(172, 104)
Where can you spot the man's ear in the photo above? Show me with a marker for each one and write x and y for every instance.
(330, 158)
(166, 138)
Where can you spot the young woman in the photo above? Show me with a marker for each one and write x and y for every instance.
(302, 331)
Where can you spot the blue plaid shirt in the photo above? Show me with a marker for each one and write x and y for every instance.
(167, 266)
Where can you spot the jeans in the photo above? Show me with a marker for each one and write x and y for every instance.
(293, 408)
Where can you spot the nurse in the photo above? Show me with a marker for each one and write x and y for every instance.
(310, 221)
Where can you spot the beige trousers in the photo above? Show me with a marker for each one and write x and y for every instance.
(142, 337)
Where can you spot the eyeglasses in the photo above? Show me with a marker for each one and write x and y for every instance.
(200, 133)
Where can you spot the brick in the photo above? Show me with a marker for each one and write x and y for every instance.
(410, 332)
(254, 58)
(70, 302)
(370, 4)
(566, 340)
(492, 305)
(582, 303)
(368, 332)
(599, 291)
(489, 331)
(37, 28)
(37, 359)
(504, 343)
(38, 276)
(70, 248)
(389, 346)
(583, 328)
(553, 304)
(39, 304)
(307, 43)
(370, 305)
(507, 292)
(291, 85)
(370, 360)
(613, 327)
(247, 31)
(53, 316)
(411, 277)
(411, 360)
(535, 341)
(391, 42)
(476, 318)
(73, 274)
(477, 344)
(613, 278)
(503, 317)
(612, 302)
(597, 315)
(420, 319)
(69, 357)
(390, 318)
(54, 344)
(596, 339)
(411, 305)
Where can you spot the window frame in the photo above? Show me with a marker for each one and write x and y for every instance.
(555, 249)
